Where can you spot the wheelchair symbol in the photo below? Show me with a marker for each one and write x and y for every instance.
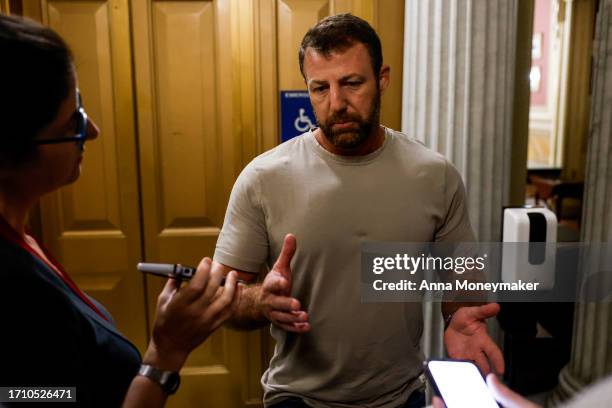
(302, 123)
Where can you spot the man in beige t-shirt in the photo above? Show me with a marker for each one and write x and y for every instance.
(349, 181)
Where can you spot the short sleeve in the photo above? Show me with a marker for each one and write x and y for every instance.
(455, 225)
(243, 241)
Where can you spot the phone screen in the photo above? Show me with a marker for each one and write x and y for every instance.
(460, 384)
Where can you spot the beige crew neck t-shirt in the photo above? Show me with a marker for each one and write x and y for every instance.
(356, 354)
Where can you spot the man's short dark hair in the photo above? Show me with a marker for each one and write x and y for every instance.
(339, 32)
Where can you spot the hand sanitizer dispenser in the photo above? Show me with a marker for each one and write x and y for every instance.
(529, 263)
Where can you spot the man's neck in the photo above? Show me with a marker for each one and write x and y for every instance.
(371, 144)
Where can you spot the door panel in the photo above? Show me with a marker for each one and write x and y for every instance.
(388, 20)
(186, 114)
(190, 154)
(92, 226)
(295, 17)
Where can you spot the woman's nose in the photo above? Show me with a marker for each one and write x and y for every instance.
(92, 130)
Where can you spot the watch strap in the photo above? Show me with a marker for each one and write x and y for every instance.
(169, 381)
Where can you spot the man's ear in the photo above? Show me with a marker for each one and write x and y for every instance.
(384, 78)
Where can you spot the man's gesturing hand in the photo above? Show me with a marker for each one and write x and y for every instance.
(466, 338)
(277, 304)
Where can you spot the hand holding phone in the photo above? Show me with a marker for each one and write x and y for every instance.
(187, 314)
(459, 383)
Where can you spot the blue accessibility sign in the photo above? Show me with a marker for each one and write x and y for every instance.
(297, 115)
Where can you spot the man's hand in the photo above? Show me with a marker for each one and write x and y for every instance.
(466, 338)
(276, 302)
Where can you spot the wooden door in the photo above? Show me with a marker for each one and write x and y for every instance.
(93, 226)
(190, 146)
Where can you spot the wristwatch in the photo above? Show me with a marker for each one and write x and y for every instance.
(168, 380)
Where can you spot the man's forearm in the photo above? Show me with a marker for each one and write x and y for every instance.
(457, 299)
(248, 313)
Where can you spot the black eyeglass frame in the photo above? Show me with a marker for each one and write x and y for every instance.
(81, 128)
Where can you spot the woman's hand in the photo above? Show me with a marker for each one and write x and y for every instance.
(186, 316)
(506, 396)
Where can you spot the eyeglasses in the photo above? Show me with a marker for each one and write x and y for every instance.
(81, 128)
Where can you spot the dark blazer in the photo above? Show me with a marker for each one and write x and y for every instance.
(50, 337)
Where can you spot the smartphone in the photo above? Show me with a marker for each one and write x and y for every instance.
(459, 383)
(175, 271)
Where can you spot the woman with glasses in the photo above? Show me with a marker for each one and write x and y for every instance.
(52, 334)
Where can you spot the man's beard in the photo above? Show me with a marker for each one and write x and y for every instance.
(355, 136)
